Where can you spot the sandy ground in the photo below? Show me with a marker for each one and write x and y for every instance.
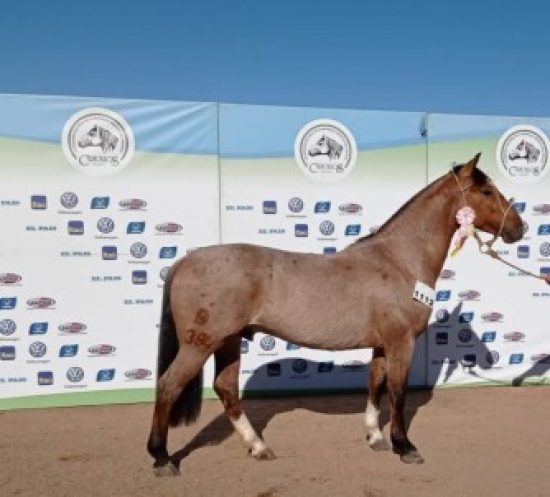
(484, 441)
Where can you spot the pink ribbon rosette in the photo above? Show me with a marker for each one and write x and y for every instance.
(465, 219)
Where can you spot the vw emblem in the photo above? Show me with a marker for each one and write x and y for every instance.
(295, 204)
(545, 249)
(37, 349)
(164, 272)
(75, 374)
(465, 335)
(267, 343)
(442, 315)
(138, 250)
(69, 200)
(299, 366)
(106, 225)
(326, 228)
(492, 357)
(7, 327)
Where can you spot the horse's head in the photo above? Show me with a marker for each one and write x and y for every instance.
(493, 213)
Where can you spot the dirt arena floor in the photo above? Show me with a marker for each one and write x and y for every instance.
(476, 442)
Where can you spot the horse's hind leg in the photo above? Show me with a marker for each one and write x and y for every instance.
(398, 360)
(377, 381)
(185, 368)
(226, 385)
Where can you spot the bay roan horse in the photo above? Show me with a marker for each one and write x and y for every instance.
(218, 294)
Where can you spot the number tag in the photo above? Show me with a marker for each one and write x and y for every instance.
(424, 294)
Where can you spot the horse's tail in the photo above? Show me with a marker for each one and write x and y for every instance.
(187, 407)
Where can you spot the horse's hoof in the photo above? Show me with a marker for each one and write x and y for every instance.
(412, 457)
(265, 454)
(167, 469)
(380, 445)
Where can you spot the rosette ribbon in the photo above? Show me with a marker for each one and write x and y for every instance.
(465, 219)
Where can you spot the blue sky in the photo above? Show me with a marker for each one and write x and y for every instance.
(481, 57)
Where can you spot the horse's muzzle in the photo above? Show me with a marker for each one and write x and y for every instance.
(512, 235)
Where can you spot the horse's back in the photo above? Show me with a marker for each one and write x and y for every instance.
(292, 295)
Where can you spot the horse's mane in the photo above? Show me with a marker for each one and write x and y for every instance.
(478, 178)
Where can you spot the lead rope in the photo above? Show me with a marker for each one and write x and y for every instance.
(487, 247)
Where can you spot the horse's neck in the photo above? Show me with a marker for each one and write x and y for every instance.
(420, 234)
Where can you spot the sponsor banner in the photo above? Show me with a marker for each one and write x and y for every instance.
(314, 180)
(98, 198)
(494, 332)
(101, 196)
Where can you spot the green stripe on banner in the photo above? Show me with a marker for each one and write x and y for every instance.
(79, 399)
(102, 397)
(137, 395)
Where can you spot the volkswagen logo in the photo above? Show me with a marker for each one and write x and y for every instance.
(299, 366)
(75, 374)
(7, 327)
(465, 335)
(164, 273)
(37, 349)
(442, 315)
(295, 204)
(492, 357)
(326, 228)
(138, 250)
(69, 200)
(267, 343)
(106, 225)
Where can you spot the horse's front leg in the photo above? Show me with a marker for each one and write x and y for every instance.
(398, 361)
(377, 382)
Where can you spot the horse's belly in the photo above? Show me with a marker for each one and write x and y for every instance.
(327, 328)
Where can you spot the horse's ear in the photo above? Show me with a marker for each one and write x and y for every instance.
(469, 167)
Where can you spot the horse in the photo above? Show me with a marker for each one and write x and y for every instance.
(326, 146)
(216, 295)
(99, 137)
(525, 150)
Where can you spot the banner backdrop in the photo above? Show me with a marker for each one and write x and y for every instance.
(314, 180)
(489, 324)
(98, 197)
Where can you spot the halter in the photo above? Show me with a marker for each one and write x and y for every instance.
(487, 247)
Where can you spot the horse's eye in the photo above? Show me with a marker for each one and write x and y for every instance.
(487, 192)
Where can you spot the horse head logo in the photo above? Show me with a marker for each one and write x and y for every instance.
(326, 146)
(99, 137)
(525, 150)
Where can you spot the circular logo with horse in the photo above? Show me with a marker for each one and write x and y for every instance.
(522, 154)
(325, 150)
(98, 141)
